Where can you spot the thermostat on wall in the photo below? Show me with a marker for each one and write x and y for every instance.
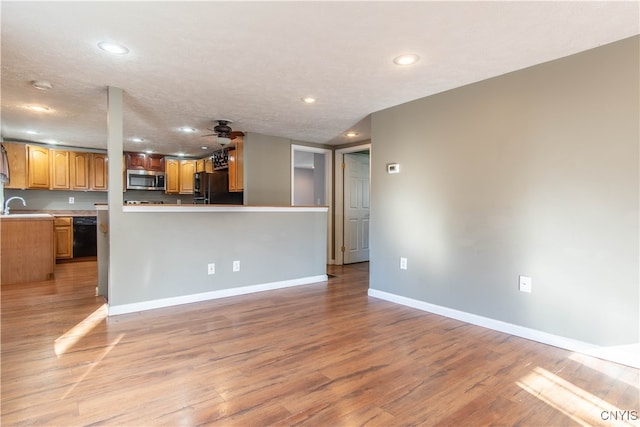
(393, 168)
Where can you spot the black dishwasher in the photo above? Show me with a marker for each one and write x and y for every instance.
(84, 236)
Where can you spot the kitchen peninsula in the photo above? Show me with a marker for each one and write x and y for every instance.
(27, 248)
(164, 255)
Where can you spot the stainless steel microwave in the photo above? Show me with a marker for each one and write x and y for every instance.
(145, 180)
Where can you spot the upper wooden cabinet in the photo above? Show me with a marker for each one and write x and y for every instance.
(187, 170)
(38, 167)
(179, 176)
(172, 176)
(17, 155)
(236, 166)
(98, 172)
(59, 169)
(142, 161)
(79, 165)
(200, 165)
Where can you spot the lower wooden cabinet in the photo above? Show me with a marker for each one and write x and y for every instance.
(63, 227)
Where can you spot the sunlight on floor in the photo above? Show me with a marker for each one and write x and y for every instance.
(73, 335)
(94, 364)
(612, 370)
(581, 406)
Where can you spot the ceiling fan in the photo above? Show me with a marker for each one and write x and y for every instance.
(223, 132)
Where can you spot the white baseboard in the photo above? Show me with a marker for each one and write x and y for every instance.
(628, 355)
(223, 293)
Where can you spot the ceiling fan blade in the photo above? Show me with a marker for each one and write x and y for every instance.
(211, 134)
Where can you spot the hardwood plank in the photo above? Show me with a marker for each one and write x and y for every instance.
(322, 354)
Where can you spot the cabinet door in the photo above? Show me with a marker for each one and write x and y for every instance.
(155, 163)
(136, 161)
(38, 167)
(79, 170)
(208, 165)
(172, 176)
(236, 167)
(200, 165)
(98, 172)
(187, 169)
(17, 154)
(232, 170)
(63, 237)
(59, 169)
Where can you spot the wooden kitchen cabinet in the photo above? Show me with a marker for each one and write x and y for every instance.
(143, 161)
(98, 172)
(172, 176)
(59, 169)
(63, 232)
(17, 155)
(200, 165)
(38, 167)
(187, 170)
(208, 165)
(79, 170)
(236, 167)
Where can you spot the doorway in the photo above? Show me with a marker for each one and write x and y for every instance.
(353, 171)
(311, 182)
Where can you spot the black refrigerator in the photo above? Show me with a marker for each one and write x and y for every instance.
(213, 188)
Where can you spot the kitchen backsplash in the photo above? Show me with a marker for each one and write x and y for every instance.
(83, 200)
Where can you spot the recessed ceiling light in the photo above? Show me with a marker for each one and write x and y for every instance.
(115, 48)
(180, 154)
(351, 134)
(204, 148)
(51, 141)
(187, 129)
(33, 132)
(41, 84)
(137, 139)
(308, 100)
(406, 59)
(148, 151)
(39, 108)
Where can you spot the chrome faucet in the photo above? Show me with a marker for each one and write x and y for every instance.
(6, 204)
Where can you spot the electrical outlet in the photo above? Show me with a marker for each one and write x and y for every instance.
(211, 268)
(236, 265)
(403, 263)
(72, 200)
(524, 284)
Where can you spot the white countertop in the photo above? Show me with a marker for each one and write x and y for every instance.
(215, 208)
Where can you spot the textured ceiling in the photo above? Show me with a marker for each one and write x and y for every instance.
(252, 62)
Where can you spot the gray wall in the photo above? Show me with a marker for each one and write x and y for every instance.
(267, 180)
(531, 173)
(162, 255)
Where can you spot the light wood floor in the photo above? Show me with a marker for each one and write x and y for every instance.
(324, 354)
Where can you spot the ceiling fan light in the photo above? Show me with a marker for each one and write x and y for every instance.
(222, 140)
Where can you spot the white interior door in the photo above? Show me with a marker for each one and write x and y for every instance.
(356, 207)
